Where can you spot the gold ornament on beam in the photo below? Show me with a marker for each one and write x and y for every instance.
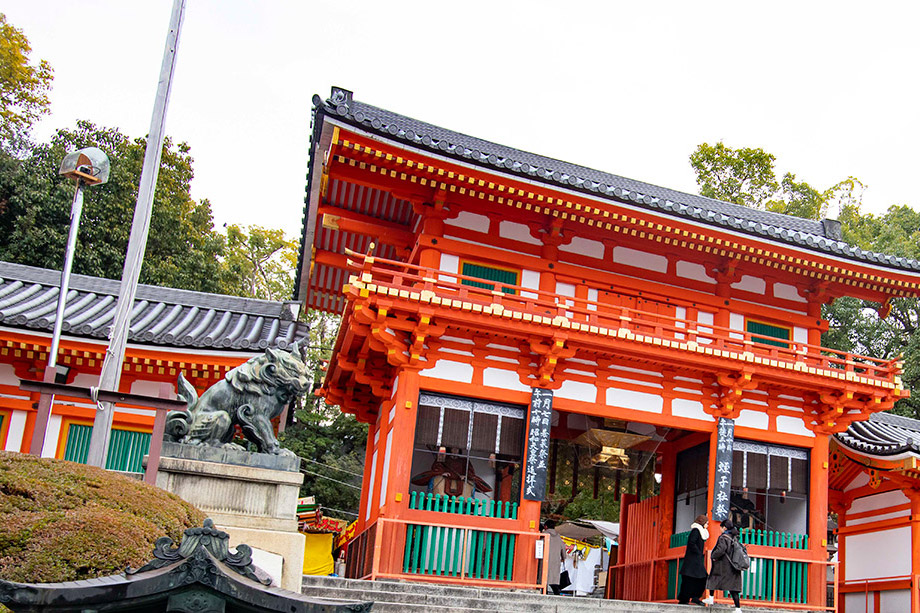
(608, 446)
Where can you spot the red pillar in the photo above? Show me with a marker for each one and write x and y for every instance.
(817, 520)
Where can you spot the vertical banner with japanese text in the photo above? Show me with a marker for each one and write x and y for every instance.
(725, 444)
(541, 413)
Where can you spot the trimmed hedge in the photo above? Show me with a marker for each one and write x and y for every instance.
(61, 521)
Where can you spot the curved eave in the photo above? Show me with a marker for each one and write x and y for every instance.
(806, 234)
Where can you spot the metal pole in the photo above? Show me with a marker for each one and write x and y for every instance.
(45, 401)
(137, 244)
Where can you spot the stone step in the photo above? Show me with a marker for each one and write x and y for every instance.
(411, 597)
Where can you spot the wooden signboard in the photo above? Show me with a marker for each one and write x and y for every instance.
(725, 444)
(535, 466)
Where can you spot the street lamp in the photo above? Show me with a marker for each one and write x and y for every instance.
(89, 166)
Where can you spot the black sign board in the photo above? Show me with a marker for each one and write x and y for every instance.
(541, 414)
(725, 445)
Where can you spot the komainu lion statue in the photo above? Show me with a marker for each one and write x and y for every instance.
(250, 396)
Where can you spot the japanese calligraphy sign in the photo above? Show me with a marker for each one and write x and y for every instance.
(725, 443)
(535, 466)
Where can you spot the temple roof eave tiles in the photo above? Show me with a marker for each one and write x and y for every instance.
(805, 233)
(161, 316)
(884, 435)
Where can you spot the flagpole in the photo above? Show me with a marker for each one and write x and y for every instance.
(137, 244)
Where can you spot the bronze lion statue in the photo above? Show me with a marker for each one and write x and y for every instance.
(250, 396)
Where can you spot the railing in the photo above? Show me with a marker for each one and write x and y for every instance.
(883, 584)
(772, 538)
(786, 587)
(460, 505)
(450, 290)
(773, 579)
(447, 553)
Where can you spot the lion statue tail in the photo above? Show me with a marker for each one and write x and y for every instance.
(178, 423)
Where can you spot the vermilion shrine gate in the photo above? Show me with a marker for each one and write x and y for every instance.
(648, 313)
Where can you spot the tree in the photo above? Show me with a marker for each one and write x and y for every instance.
(259, 263)
(24, 87)
(746, 176)
(182, 249)
(742, 176)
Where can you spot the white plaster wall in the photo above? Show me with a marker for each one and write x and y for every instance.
(505, 379)
(52, 434)
(787, 292)
(753, 419)
(894, 600)
(576, 390)
(876, 502)
(531, 280)
(86, 380)
(736, 321)
(592, 297)
(880, 517)
(860, 480)
(449, 264)
(692, 409)
(800, 335)
(585, 247)
(470, 221)
(16, 430)
(705, 320)
(639, 401)
(451, 371)
(862, 554)
(517, 232)
(370, 490)
(691, 270)
(792, 425)
(385, 477)
(640, 259)
(565, 289)
(856, 603)
(748, 283)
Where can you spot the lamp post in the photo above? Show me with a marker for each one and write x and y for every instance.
(89, 166)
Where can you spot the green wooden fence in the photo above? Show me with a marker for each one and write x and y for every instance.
(460, 505)
(757, 581)
(455, 552)
(126, 448)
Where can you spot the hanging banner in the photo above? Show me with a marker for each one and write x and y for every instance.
(725, 445)
(541, 413)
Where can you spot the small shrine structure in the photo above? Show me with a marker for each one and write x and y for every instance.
(199, 334)
(517, 329)
(875, 491)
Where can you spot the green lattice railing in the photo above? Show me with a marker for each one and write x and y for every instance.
(462, 506)
(757, 582)
(455, 552)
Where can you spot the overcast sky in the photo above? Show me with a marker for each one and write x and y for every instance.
(830, 88)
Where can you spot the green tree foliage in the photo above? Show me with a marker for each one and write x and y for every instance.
(747, 176)
(182, 249)
(24, 87)
(330, 443)
(259, 262)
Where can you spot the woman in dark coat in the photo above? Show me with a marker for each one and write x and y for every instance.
(723, 575)
(693, 566)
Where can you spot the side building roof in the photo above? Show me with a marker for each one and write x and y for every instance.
(884, 434)
(161, 316)
(821, 236)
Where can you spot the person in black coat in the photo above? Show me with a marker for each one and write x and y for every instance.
(693, 565)
(724, 576)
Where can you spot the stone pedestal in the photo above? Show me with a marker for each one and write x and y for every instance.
(252, 496)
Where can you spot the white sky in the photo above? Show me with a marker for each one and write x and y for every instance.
(830, 88)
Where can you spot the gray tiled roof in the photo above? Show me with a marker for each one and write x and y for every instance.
(161, 316)
(805, 233)
(884, 434)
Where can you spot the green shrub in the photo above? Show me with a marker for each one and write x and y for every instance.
(61, 521)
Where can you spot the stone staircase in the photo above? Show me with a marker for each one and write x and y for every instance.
(408, 597)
